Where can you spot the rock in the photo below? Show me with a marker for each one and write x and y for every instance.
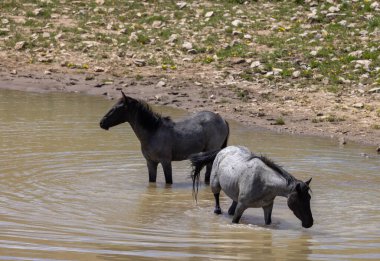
(313, 53)
(255, 64)
(358, 105)
(334, 9)
(342, 141)
(20, 45)
(181, 5)
(209, 14)
(133, 36)
(47, 72)
(363, 63)
(378, 149)
(374, 90)
(356, 54)
(98, 69)
(375, 5)
(139, 62)
(13, 72)
(37, 11)
(99, 2)
(45, 59)
(156, 24)
(173, 38)
(46, 35)
(4, 21)
(277, 71)
(236, 22)
(247, 36)
(161, 84)
(296, 74)
(187, 45)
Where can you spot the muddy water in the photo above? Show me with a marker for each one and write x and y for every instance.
(71, 191)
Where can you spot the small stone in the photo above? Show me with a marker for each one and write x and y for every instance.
(358, 105)
(173, 38)
(313, 53)
(47, 72)
(187, 45)
(161, 84)
(20, 45)
(156, 24)
(378, 149)
(99, 2)
(364, 63)
(37, 11)
(247, 36)
(209, 14)
(374, 90)
(255, 64)
(46, 35)
(139, 62)
(98, 69)
(13, 72)
(236, 22)
(342, 141)
(181, 5)
(296, 74)
(4, 21)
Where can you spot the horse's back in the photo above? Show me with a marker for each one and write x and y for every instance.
(202, 131)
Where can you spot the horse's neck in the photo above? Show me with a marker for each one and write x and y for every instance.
(283, 187)
(142, 133)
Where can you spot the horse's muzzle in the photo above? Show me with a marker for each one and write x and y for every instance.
(308, 225)
(102, 126)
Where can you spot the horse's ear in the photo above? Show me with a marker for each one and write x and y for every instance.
(308, 182)
(124, 96)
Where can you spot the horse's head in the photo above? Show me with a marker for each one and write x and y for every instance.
(117, 114)
(299, 203)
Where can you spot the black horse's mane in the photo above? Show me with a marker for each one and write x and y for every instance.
(148, 118)
(277, 168)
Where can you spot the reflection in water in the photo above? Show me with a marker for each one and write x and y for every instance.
(72, 191)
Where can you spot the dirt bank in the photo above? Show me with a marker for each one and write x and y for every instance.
(303, 111)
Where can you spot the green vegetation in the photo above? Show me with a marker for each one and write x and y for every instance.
(326, 40)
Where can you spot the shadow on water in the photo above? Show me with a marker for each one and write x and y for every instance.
(72, 191)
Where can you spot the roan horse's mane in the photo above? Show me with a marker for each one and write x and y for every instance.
(147, 117)
(278, 169)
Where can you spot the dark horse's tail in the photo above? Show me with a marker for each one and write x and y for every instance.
(228, 135)
(198, 161)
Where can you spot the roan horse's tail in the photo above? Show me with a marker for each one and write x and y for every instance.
(198, 161)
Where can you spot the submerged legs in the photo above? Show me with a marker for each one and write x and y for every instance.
(268, 214)
(152, 169)
(217, 209)
(232, 208)
(240, 208)
(167, 166)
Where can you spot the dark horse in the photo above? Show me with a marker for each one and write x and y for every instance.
(252, 181)
(163, 140)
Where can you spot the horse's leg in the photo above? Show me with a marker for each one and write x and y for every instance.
(268, 213)
(208, 173)
(240, 208)
(217, 209)
(152, 169)
(232, 208)
(167, 166)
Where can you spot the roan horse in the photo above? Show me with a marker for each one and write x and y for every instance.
(163, 140)
(251, 182)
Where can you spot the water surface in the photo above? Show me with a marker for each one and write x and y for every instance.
(71, 191)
